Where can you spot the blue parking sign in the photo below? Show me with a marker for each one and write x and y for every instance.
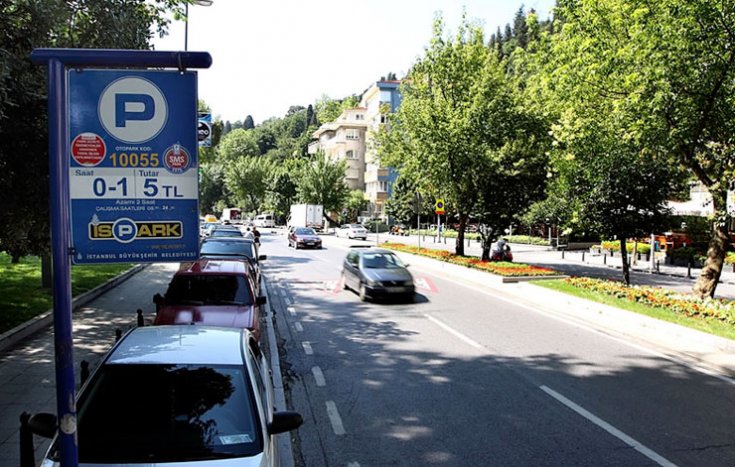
(133, 170)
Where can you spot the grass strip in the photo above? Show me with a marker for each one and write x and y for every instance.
(21, 294)
(708, 325)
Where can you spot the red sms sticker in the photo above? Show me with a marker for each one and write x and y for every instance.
(88, 149)
(176, 159)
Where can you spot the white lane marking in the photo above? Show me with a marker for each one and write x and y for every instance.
(283, 293)
(590, 328)
(335, 419)
(298, 326)
(655, 457)
(289, 301)
(307, 348)
(457, 334)
(318, 376)
(353, 464)
(291, 310)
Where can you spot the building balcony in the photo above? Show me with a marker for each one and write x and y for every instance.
(376, 175)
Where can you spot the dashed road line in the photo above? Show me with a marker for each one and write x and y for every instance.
(291, 310)
(457, 334)
(298, 326)
(335, 419)
(318, 376)
(654, 456)
(308, 350)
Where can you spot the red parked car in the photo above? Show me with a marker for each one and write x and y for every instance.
(213, 293)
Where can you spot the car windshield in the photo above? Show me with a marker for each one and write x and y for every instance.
(151, 413)
(356, 226)
(305, 231)
(208, 289)
(381, 261)
(231, 248)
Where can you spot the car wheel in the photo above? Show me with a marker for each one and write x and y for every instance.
(363, 293)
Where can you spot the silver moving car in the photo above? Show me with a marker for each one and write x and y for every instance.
(376, 273)
(180, 396)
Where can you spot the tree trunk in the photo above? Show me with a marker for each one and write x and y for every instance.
(710, 275)
(486, 242)
(459, 245)
(624, 256)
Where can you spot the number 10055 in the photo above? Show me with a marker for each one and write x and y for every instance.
(133, 159)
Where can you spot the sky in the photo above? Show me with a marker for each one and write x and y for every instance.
(268, 55)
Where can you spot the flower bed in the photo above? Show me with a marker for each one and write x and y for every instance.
(500, 268)
(686, 304)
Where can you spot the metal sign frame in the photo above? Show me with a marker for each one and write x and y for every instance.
(57, 62)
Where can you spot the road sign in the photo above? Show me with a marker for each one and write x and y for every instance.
(204, 130)
(133, 166)
(439, 206)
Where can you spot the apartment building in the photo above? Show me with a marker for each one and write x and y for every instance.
(344, 139)
(350, 138)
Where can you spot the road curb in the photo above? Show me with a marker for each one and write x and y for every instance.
(285, 449)
(13, 336)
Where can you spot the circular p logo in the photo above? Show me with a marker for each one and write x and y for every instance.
(132, 110)
(124, 230)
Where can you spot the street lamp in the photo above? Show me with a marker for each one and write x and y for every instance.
(186, 13)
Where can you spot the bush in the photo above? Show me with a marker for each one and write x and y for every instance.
(688, 253)
(370, 226)
(730, 258)
(527, 240)
(643, 248)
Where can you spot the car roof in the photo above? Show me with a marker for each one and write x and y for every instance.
(228, 239)
(180, 344)
(213, 267)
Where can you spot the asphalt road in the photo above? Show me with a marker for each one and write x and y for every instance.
(465, 376)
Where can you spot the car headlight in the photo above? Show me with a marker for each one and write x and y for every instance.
(409, 283)
(371, 282)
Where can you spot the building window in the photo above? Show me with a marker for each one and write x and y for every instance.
(353, 134)
(351, 155)
(359, 117)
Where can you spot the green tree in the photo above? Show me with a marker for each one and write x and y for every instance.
(327, 109)
(401, 205)
(211, 186)
(282, 192)
(322, 182)
(677, 82)
(249, 124)
(354, 205)
(247, 179)
(237, 144)
(459, 132)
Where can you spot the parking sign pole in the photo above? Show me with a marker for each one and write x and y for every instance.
(60, 243)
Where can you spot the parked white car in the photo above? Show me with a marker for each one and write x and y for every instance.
(180, 396)
(352, 231)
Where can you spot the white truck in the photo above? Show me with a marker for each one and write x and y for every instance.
(307, 215)
(231, 215)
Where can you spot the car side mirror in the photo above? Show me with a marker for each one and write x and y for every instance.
(284, 421)
(261, 300)
(43, 424)
(262, 257)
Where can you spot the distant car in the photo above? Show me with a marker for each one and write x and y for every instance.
(179, 396)
(212, 293)
(352, 231)
(225, 231)
(304, 237)
(376, 273)
(233, 248)
(206, 228)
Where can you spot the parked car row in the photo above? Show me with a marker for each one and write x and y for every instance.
(195, 388)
